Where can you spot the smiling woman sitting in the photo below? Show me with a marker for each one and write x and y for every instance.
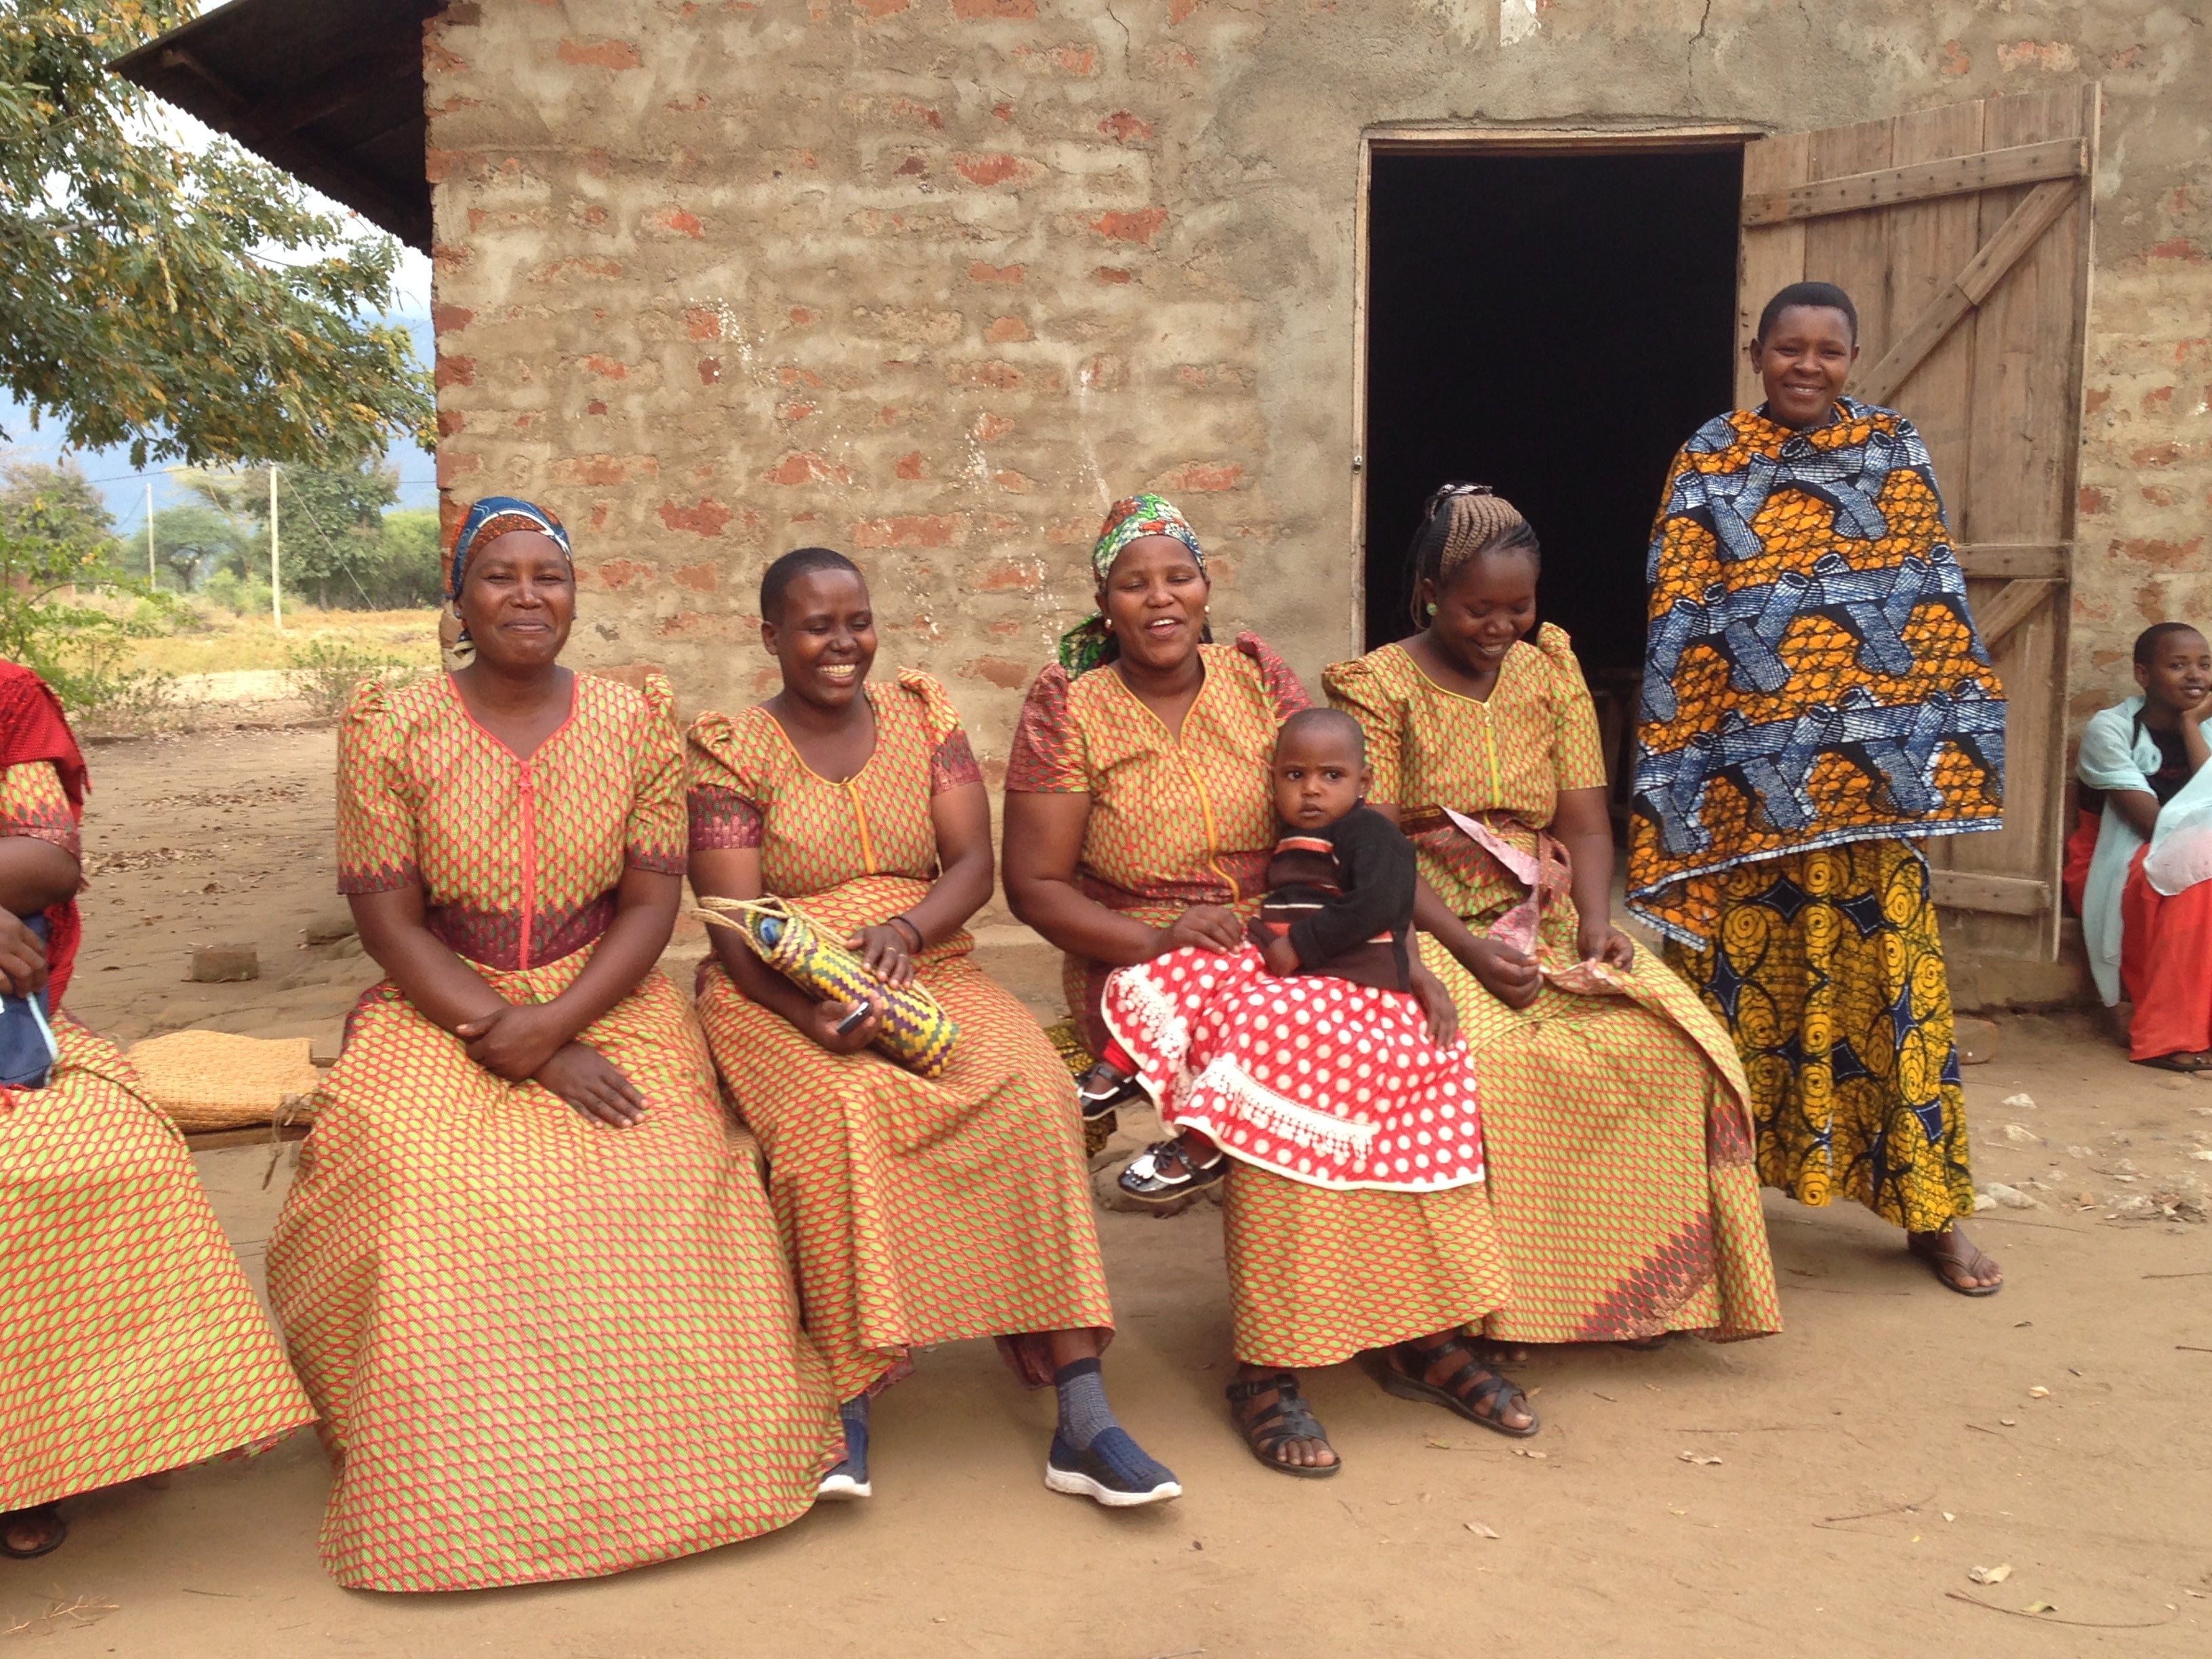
(527, 1272)
(919, 1210)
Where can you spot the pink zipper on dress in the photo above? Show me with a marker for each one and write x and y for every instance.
(529, 853)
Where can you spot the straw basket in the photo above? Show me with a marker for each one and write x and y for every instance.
(219, 1080)
(915, 1032)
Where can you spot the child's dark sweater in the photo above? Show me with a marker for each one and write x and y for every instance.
(1344, 896)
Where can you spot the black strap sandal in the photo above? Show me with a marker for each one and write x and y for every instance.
(41, 1515)
(1473, 1390)
(1147, 1178)
(1268, 1431)
(1102, 1089)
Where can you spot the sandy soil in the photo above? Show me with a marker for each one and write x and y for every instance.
(1855, 1466)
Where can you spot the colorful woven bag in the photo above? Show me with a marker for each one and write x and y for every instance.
(915, 1032)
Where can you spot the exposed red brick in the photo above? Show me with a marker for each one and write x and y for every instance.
(703, 323)
(971, 11)
(700, 578)
(1003, 376)
(992, 167)
(913, 166)
(880, 8)
(912, 530)
(620, 572)
(452, 422)
(2162, 494)
(438, 163)
(1198, 477)
(2157, 402)
(980, 272)
(560, 270)
(922, 112)
(1141, 226)
(989, 426)
(710, 370)
(707, 519)
(2181, 248)
(1012, 482)
(2127, 57)
(909, 465)
(2097, 399)
(2094, 501)
(1111, 274)
(1002, 672)
(1072, 532)
(1955, 61)
(804, 316)
(681, 222)
(607, 368)
(791, 374)
(2164, 555)
(804, 466)
(601, 54)
(1180, 9)
(1124, 127)
(455, 370)
(1007, 329)
(1081, 62)
(1009, 576)
(792, 408)
(452, 468)
(1107, 372)
(595, 407)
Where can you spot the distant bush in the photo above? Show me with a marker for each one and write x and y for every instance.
(325, 673)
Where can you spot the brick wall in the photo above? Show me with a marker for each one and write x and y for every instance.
(931, 280)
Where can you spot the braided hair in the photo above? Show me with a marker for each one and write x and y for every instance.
(1459, 522)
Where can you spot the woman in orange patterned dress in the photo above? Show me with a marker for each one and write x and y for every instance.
(129, 1341)
(1139, 820)
(1613, 1107)
(917, 1210)
(527, 1270)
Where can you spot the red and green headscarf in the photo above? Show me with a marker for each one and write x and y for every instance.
(1084, 645)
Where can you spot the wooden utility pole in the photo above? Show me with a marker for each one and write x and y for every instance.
(149, 532)
(275, 568)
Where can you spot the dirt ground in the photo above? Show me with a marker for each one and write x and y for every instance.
(1850, 1472)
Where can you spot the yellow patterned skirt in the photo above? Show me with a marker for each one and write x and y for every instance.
(1619, 1163)
(1828, 971)
(543, 1348)
(1316, 1276)
(129, 1339)
(919, 1211)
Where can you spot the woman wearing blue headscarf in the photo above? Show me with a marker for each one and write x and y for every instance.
(528, 1272)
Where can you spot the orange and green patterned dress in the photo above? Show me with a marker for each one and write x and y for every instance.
(1316, 1275)
(543, 1348)
(129, 1339)
(1619, 1149)
(917, 1210)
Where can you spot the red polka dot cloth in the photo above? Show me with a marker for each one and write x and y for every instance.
(1312, 1077)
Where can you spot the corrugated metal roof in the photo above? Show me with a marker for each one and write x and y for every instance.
(329, 90)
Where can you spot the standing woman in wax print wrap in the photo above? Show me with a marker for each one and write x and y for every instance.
(527, 1270)
(1139, 820)
(1815, 700)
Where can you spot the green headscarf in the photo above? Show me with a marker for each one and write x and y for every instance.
(1084, 645)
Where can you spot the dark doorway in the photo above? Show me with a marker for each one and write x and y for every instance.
(1554, 326)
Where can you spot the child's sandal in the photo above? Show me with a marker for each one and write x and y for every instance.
(1103, 1089)
(1147, 1178)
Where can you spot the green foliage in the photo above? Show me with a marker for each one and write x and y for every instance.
(191, 305)
(324, 672)
(57, 554)
(340, 546)
(191, 544)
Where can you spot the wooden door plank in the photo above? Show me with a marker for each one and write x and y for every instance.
(1770, 258)
(1920, 181)
(2010, 896)
(2015, 602)
(2015, 239)
(1852, 251)
(2052, 560)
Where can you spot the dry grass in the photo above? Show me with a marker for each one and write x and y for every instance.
(229, 642)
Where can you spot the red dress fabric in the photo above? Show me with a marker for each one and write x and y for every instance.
(2166, 965)
(2081, 848)
(34, 728)
(1328, 1083)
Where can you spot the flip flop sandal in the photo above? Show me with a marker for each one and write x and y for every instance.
(1484, 1408)
(1101, 1093)
(43, 1514)
(1143, 1179)
(1936, 1265)
(1289, 1419)
(2188, 1065)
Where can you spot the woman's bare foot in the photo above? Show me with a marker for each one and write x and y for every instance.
(1956, 1262)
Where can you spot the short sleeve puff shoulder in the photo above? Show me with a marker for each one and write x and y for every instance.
(1578, 753)
(1046, 757)
(376, 835)
(1373, 697)
(951, 759)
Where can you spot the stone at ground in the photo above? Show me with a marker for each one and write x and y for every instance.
(2010, 1197)
(1977, 1039)
(224, 964)
(329, 927)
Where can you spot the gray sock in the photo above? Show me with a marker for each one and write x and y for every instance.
(1083, 1412)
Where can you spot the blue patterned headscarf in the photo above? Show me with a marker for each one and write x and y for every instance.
(1084, 646)
(492, 518)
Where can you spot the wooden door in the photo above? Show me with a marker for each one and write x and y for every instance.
(1962, 234)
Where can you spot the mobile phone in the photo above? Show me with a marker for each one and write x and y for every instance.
(851, 1023)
